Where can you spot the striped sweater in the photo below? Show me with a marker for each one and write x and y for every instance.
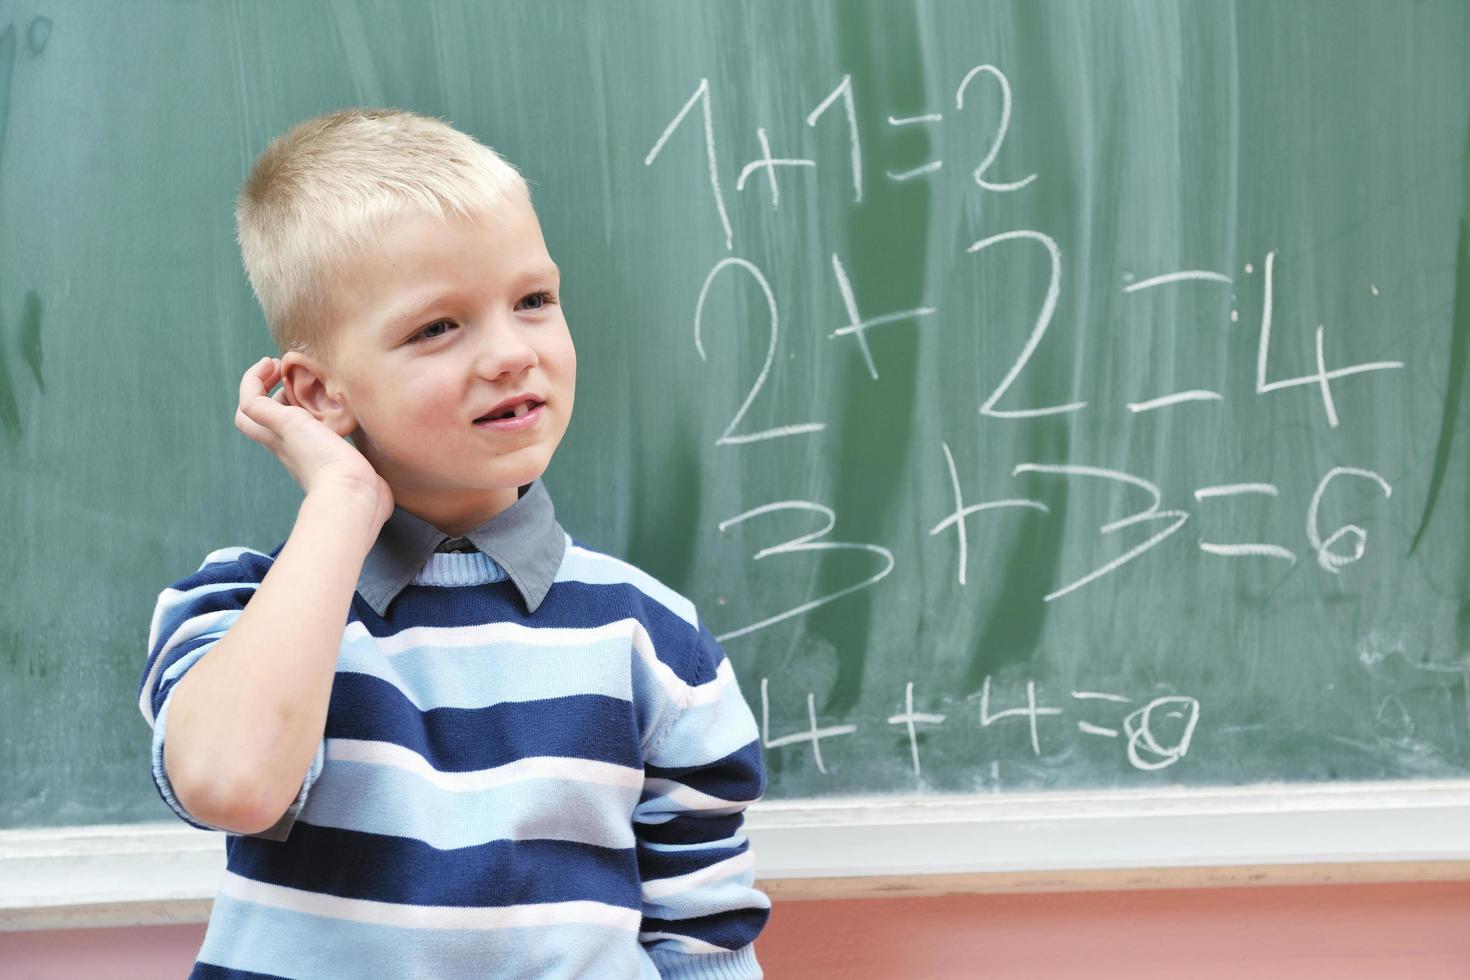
(532, 767)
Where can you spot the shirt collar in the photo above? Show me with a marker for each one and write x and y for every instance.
(524, 539)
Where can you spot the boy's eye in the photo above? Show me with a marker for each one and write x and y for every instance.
(537, 300)
(542, 297)
(430, 332)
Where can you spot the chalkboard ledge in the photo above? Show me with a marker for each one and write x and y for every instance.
(880, 846)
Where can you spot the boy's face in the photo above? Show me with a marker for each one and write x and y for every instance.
(447, 321)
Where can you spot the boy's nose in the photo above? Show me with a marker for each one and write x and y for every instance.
(503, 350)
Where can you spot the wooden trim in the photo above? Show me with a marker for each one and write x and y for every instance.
(1133, 879)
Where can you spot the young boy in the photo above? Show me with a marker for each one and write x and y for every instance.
(444, 738)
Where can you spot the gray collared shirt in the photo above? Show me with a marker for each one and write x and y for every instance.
(524, 539)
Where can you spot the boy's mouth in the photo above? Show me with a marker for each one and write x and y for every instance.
(514, 411)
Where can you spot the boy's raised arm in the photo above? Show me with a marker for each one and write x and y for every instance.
(245, 721)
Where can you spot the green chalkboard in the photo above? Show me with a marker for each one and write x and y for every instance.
(1031, 395)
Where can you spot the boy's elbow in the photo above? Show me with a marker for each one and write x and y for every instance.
(216, 801)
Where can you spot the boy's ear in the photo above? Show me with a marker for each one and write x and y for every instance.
(308, 384)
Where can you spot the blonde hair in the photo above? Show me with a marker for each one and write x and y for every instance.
(319, 194)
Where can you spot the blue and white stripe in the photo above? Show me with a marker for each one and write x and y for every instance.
(559, 794)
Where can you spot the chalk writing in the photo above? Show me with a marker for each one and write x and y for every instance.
(1154, 732)
(1155, 736)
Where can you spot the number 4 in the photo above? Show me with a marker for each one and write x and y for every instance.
(1323, 377)
(1030, 711)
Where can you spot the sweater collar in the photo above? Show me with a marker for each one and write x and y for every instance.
(524, 539)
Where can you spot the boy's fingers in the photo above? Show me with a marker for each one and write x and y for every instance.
(262, 416)
(251, 383)
(267, 412)
(252, 429)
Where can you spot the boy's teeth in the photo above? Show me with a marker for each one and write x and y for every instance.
(515, 413)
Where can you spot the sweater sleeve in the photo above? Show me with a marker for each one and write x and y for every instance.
(701, 909)
(190, 617)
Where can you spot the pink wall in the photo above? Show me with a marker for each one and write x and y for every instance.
(1341, 932)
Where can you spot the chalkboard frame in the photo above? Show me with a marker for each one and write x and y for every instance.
(856, 847)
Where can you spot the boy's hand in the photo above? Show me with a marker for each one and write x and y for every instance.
(314, 455)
